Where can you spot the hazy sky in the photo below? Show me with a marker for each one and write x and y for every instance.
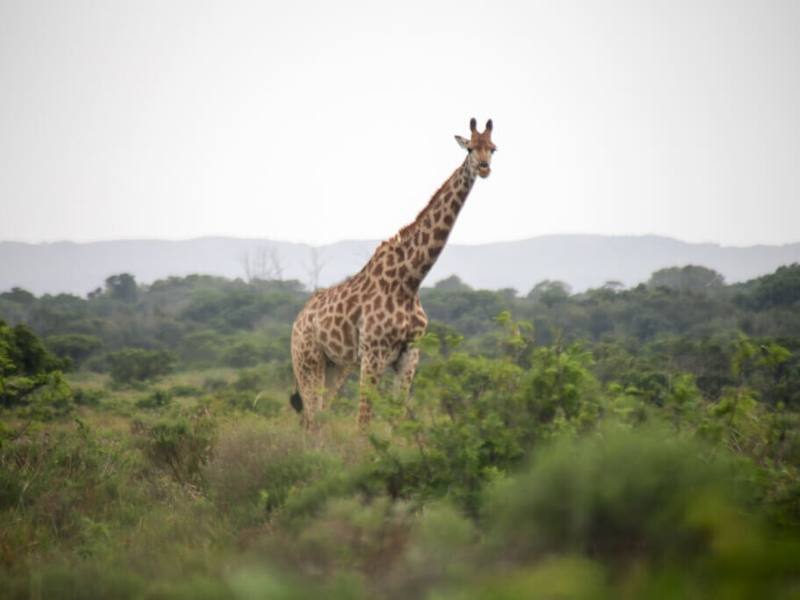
(322, 121)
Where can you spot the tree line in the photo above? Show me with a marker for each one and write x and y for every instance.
(685, 318)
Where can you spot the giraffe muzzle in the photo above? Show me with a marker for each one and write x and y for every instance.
(483, 169)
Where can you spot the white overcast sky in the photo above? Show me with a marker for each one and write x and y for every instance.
(323, 121)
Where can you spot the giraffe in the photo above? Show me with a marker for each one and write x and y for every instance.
(370, 320)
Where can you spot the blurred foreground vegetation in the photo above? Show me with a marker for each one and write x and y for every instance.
(617, 443)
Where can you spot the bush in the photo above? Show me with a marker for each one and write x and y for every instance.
(57, 477)
(257, 465)
(135, 365)
(23, 353)
(45, 396)
(485, 416)
(77, 347)
(181, 447)
(617, 495)
(214, 384)
(158, 399)
(185, 391)
(250, 380)
(88, 396)
(242, 355)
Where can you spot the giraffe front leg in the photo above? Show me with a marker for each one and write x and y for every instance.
(406, 367)
(372, 366)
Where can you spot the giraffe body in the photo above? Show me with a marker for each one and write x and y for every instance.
(370, 320)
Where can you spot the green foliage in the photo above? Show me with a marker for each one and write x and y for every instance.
(643, 443)
(246, 392)
(50, 397)
(30, 375)
(184, 391)
(451, 283)
(122, 287)
(19, 296)
(781, 288)
(136, 364)
(182, 447)
(158, 399)
(559, 385)
(549, 292)
(23, 353)
(688, 279)
(87, 396)
(240, 308)
(54, 478)
(467, 311)
(256, 466)
(244, 354)
(77, 347)
(476, 418)
(616, 495)
(42, 396)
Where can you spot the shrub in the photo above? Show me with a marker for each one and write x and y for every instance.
(184, 391)
(88, 396)
(158, 399)
(77, 347)
(250, 380)
(23, 353)
(257, 465)
(44, 396)
(615, 495)
(135, 365)
(475, 418)
(243, 354)
(58, 477)
(214, 384)
(182, 447)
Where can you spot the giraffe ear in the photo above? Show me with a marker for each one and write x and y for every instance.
(464, 143)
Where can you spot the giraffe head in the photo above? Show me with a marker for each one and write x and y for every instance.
(480, 148)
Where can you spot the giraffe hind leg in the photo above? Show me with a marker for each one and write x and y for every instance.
(310, 377)
(335, 376)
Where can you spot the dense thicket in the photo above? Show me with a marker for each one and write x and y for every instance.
(614, 443)
(683, 320)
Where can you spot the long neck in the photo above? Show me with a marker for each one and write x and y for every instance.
(419, 244)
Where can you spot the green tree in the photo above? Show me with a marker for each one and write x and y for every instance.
(122, 287)
(243, 354)
(451, 283)
(549, 292)
(781, 288)
(690, 278)
(29, 353)
(19, 296)
(77, 347)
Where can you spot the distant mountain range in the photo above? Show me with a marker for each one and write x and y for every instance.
(583, 261)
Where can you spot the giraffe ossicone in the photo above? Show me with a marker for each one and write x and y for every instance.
(372, 319)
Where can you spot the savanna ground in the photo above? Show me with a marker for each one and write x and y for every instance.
(618, 443)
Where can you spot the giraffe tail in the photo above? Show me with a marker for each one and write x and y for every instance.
(296, 401)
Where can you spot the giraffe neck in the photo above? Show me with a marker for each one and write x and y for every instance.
(419, 244)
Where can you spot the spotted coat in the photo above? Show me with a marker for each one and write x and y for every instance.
(371, 320)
